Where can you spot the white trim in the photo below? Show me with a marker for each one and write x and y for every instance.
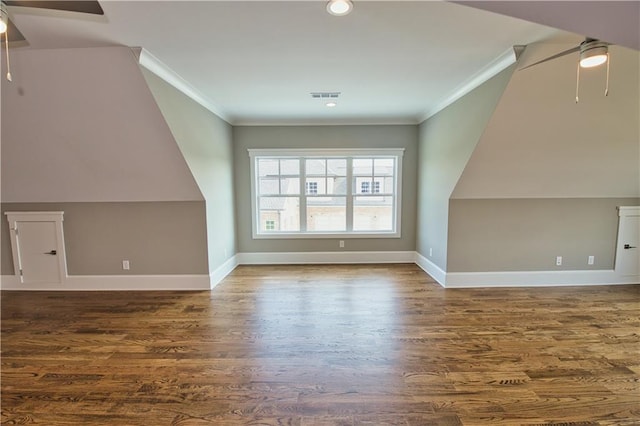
(320, 257)
(55, 217)
(160, 69)
(365, 121)
(322, 235)
(535, 279)
(629, 211)
(506, 59)
(331, 152)
(113, 283)
(207, 282)
(348, 154)
(222, 271)
(432, 269)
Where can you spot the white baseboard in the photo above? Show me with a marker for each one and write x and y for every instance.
(431, 268)
(222, 271)
(445, 279)
(536, 279)
(113, 283)
(320, 257)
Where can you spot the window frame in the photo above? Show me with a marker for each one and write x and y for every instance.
(349, 154)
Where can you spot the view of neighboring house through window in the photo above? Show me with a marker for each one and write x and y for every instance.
(326, 192)
(312, 187)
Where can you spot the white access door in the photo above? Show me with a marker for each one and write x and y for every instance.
(628, 246)
(38, 246)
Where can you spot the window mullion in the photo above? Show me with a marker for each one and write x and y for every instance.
(349, 200)
(280, 176)
(303, 195)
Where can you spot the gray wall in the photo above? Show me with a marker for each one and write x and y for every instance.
(447, 141)
(547, 173)
(82, 133)
(156, 237)
(81, 125)
(261, 137)
(527, 234)
(205, 141)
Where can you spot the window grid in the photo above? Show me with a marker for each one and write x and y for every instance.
(318, 189)
(311, 188)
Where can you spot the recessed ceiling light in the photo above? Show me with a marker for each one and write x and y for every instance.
(339, 7)
(331, 104)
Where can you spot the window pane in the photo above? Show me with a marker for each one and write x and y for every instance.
(279, 214)
(362, 166)
(326, 214)
(387, 185)
(337, 167)
(311, 187)
(383, 166)
(373, 214)
(290, 186)
(269, 186)
(363, 185)
(337, 185)
(316, 186)
(267, 167)
(290, 167)
(316, 166)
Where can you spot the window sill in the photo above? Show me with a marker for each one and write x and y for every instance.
(323, 235)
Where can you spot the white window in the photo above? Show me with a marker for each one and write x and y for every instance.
(312, 187)
(326, 193)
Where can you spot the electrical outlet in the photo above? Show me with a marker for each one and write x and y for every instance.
(591, 260)
(341, 243)
(558, 260)
(125, 265)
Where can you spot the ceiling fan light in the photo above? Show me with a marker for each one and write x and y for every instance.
(3, 20)
(339, 7)
(593, 56)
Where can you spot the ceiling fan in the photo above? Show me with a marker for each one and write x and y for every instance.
(14, 35)
(593, 52)
(11, 32)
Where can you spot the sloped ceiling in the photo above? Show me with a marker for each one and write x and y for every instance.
(616, 22)
(82, 125)
(540, 143)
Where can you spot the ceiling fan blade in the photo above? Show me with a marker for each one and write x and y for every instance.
(13, 33)
(92, 7)
(550, 58)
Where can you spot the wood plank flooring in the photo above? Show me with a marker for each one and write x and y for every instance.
(323, 345)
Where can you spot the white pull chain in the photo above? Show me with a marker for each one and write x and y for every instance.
(606, 88)
(577, 82)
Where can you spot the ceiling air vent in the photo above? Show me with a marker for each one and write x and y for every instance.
(325, 95)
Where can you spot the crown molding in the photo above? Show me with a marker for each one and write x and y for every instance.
(506, 59)
(159, 68)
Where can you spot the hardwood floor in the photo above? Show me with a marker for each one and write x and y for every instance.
(323, 345)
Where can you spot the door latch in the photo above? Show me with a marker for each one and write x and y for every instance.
(627, 246)
(52, 252)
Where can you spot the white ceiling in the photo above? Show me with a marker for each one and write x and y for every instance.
(392, 61)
